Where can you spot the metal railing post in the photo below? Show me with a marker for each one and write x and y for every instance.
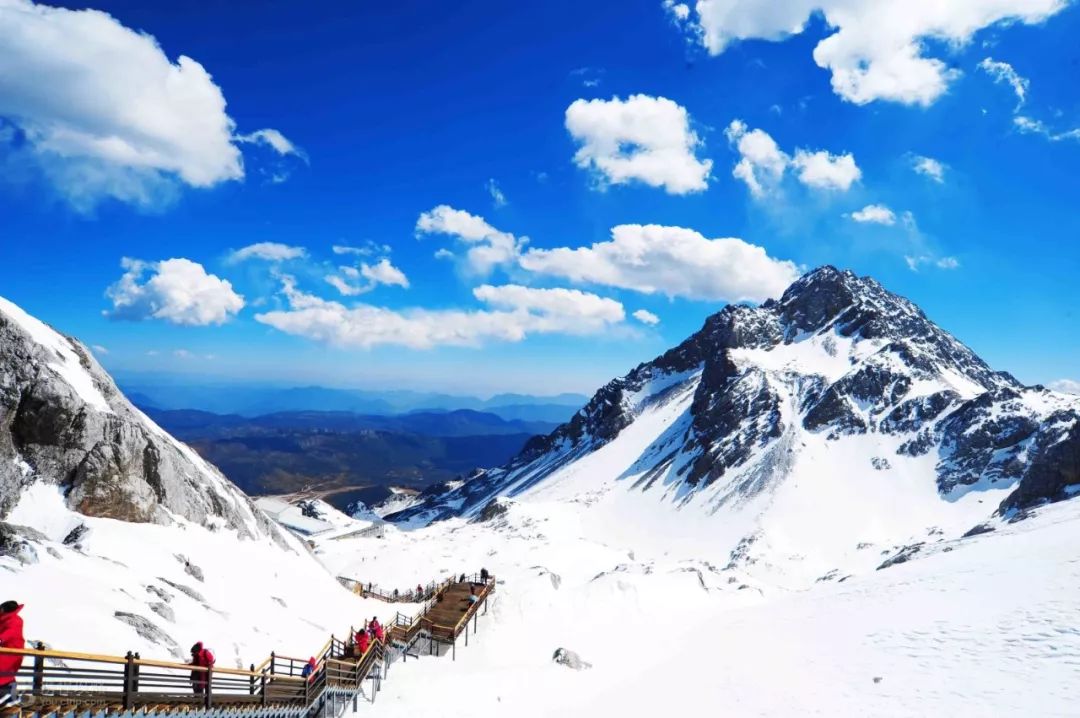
(273, 660)
(129, 671)
(251, 681)
(208, 699)
(39, 672)
(262, 689)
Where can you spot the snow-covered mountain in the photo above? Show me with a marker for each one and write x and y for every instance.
(63, 421)
(838, 410)
(118, 537)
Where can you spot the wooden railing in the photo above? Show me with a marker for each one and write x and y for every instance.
(372, 590)
(121, 683)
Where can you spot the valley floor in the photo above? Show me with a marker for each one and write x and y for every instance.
(984, 626)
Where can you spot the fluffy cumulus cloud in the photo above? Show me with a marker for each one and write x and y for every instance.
(178, 291)
(102, 112)
(875, 49)
(826, 171)
(268, 251)
(512, 313)
(1004, 72)
(762, 164)
(1066, 386)
(929, 167)
(488, 247)
(640, 139)
(646, 317)
(353, 281)
(875, 214)
(672, 261)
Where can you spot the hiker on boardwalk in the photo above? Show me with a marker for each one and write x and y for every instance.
(473, 598)
(203, 658)
(419, 592)
(11, 636)
(363, 640)
(309, 670)
(376, 630)
(484, 575)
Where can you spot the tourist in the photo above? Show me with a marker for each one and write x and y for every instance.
(11, 636)
(203, 658)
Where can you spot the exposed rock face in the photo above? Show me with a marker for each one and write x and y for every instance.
(63, 421)
(837, 356)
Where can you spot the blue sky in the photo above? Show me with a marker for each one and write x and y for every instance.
(392, 124)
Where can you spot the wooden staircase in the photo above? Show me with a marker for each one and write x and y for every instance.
(55, 684)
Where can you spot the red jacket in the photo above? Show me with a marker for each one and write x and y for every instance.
(362, 642)
(11, 636)
(379, 633)
(202, 657)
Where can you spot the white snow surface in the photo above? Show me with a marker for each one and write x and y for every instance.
(255, 597)
(67, 364)
(983, 626)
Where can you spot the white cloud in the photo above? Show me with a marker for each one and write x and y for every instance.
(488, 247)
(673, 261)
(368, 249)
(1004, 72)
(929, 167)
(876, 214)
(275, 140)
(105, 113)
(826, 171)
(590, 76)
(517, 312)
(876, 49)
(762, 163)
(643, 138)
(353, 281)
(443, 253)
(497, 196)
(183, 354)
(178, 291)
(269, 251)
(915, 262)
(646, 317)
(98, 349)
(1066, 386)
(152, 352)
(1028, 125)
(680, 11)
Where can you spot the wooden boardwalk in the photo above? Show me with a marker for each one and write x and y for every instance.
(79, 685)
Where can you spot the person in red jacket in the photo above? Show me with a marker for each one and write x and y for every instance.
(362, 642)
(11, 636)
(200, 656)
(376, 630)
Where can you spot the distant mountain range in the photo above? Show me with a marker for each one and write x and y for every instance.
(330, 450)
(251, 400)
(195, 424)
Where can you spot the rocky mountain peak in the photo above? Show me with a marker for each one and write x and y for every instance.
(64, 422)
(839, 360)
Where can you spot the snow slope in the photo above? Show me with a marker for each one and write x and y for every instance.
(981, 626)
(813, 434)
(178, 584)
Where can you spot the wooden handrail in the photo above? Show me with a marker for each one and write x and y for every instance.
(328, 667)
